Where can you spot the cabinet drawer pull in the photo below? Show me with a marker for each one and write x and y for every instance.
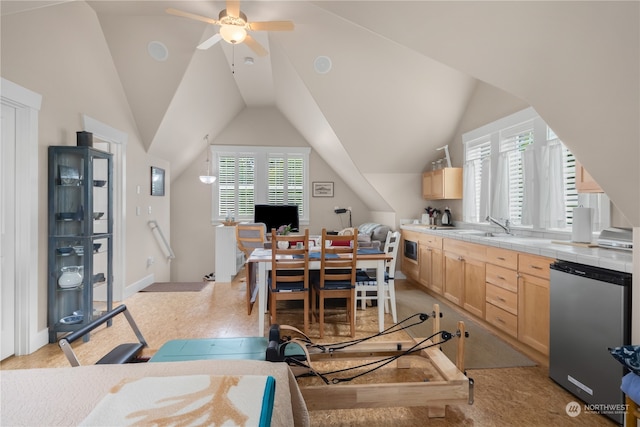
(501, 299)
(500, 320)
(501, 278)
(501, 258)
(535, 267)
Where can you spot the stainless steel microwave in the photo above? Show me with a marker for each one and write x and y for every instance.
(411, 250)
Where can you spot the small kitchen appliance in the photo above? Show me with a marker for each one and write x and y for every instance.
(446, 217)
(616, 238)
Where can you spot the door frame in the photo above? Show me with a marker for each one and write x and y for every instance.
(27, 177)
(118, 143)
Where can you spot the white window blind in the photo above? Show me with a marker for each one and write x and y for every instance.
(253, 175)
(286, 181)
(514, 141)
(236, 185)
(476, 152)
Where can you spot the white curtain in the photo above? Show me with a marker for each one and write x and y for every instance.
(543, 204)
(485, 188)
(552, 204)
(469, 213)
(500, 205)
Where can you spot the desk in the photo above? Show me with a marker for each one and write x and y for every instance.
(364, 261)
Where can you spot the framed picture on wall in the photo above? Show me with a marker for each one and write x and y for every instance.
(322, 189)
(157, 181)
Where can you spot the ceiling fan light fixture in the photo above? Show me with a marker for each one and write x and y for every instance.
(233, 34)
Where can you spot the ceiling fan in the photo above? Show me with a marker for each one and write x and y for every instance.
(234, 26)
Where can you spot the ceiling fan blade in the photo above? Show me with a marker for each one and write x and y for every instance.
(271, 26)
(255, 46)
(209, 42)
(177, 12)
(233, 8)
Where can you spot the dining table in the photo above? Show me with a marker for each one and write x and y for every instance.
(366, 258)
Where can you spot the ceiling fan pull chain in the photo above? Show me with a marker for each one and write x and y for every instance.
(233, 59)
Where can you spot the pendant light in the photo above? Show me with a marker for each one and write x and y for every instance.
(207, 177)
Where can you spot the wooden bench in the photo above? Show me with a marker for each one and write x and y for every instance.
(123, 353)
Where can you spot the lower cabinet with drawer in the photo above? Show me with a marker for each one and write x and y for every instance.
(533, 301)
(506, 288)
(502, 319)
(502, 290)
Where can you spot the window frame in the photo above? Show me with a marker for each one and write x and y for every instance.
(261, 155)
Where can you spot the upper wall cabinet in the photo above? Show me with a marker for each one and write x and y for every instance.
(584, 182)
(442, 184)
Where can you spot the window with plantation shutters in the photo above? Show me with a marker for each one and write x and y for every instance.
(476, 152)
(506, 144)
(259, 175)
(513, 141)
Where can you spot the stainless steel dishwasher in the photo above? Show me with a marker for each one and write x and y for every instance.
(590, 312)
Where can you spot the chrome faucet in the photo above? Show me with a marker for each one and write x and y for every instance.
(505, 227)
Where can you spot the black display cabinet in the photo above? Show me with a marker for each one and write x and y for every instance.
(80, 267)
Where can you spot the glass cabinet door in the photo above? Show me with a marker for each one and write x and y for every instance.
(80, 237)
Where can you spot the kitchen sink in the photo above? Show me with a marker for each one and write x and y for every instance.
(489, 234)
(481, 233)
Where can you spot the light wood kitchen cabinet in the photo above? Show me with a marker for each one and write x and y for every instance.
(464, 275)
(501, 309)
(453, 277)
(431, 271)
(533, 301)
(442, 184)
(502, 319)
(585, 182)
(474, 287)
(506, 288)
(410, 267)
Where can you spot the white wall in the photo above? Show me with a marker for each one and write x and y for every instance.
(60, 53)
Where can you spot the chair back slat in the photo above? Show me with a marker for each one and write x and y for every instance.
(290, 264)
(289, 278)
(343, 267)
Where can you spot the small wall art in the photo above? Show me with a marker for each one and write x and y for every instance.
(322, 189)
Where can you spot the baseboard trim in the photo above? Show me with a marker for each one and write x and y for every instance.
(139, 285)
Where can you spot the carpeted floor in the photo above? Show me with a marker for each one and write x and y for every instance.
(175, 287)
(482, 349)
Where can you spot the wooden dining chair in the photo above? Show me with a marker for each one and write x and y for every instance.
(337, 276)
(289, 278)
(367, 283)
(250, 236)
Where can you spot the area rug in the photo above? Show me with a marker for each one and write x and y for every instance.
(175, 287)
(483, 349)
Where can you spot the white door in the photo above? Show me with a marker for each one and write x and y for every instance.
(7, 232)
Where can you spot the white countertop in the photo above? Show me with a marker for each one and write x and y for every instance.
(613, 259)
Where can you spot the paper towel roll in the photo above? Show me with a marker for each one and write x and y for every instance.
(581, 230)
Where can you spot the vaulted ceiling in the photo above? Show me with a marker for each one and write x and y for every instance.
(195, 92)
(402, 74)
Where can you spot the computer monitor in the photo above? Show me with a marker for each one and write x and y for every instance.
(276, 215)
